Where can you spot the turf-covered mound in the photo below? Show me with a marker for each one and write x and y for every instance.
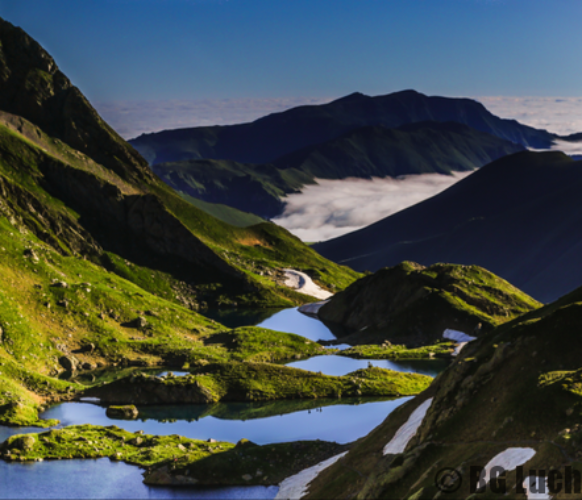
(413, 305)
(94, 441)
(512, 397)
(256, 382)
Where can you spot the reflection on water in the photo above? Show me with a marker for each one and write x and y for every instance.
(285, 320)
(341, 365)
(342, 422)
(233, 318)
(102, 479)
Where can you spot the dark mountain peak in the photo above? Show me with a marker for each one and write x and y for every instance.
(33, 87)
(353, 97)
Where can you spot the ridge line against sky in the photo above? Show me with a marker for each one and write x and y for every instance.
(561, 115)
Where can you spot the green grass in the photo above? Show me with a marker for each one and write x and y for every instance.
(257, 382)
(225, 213)
(92, 441)
(412, 305)
(440, 350)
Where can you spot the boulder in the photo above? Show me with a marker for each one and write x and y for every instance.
(69, 363)
(125, 411)
(139, 322)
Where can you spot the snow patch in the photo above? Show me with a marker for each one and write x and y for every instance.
(88, 399)
(295, 487)
(457, 336)
(407, 431)
(304, 284)
(461, 338)
(312, 309)
(540, 490)
(508, 460)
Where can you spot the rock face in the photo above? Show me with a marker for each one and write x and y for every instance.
(517, 387)
(413, 305)
(32, 86)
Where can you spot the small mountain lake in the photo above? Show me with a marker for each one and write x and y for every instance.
(341, 420)
(285, 320)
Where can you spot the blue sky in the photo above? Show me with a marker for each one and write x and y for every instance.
(211, 49)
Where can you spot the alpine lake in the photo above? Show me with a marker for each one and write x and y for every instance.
(339, 420)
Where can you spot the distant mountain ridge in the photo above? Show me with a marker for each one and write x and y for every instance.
(371, 151)
(278, 134)
(518, 217)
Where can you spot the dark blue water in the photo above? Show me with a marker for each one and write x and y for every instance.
(342, 423)
(286, 320)
(102, 479)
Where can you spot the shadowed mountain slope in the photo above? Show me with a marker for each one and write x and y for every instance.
(427, 147)
(518, 217)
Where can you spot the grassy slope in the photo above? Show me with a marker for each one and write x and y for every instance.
(249, 464)
(225, 213)
(413, 305)
(250, 250)
(517, 386)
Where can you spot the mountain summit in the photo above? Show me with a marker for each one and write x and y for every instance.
(278, 134)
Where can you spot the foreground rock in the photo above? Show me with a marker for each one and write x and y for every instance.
(246, 464)
(256, 382)
(511, 398)
(412, 305)
(126, 412)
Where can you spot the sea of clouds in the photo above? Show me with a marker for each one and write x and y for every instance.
(331, 208)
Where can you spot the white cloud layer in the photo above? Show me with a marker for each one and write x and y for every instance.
(560, 115)
(331, 208)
